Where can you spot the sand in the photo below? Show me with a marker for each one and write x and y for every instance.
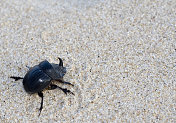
(120, 55)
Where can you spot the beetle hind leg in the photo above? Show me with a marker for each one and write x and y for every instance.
(16, 78)
(41, 104)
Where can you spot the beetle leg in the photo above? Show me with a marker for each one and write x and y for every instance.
(16, 78)
(64, 82)
(61, 62)
(53, 86)
(41, 106)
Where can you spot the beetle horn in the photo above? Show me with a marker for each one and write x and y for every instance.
(61, 62)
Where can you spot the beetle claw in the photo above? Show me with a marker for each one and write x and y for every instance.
(72, 93)
(39, 112)
(67, 91)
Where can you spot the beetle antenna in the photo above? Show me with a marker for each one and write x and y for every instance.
(28, 67)
(61, 62)
(16, 78)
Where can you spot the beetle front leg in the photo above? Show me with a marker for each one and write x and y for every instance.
(53, 86)
(64, 82)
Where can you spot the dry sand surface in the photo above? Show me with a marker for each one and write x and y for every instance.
(119, 54)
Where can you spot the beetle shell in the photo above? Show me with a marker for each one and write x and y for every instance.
(38, 77)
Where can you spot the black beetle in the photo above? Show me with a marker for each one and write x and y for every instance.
(40, 77)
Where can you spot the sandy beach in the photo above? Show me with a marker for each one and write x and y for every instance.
(120, 55)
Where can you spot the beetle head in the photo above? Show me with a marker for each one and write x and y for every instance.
(60, 70)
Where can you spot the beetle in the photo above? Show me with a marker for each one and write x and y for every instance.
(41, 76)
